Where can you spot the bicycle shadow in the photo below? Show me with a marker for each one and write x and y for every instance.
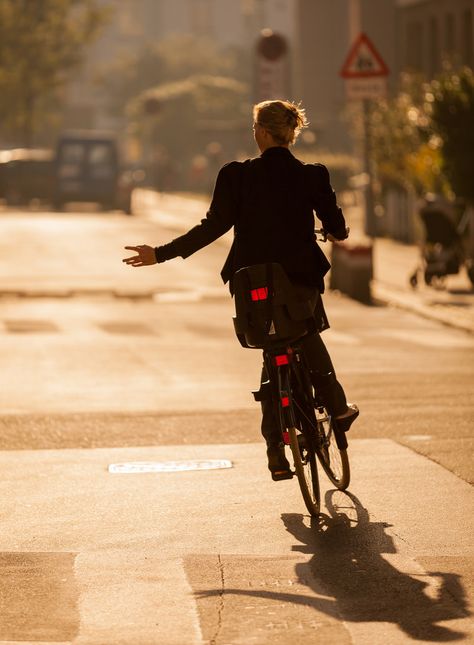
(352, 582)
(347, 565)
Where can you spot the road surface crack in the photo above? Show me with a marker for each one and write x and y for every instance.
(220, 605)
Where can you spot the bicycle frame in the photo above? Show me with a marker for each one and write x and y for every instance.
(305, 424)
(291, 384)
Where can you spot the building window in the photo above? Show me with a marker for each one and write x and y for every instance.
(467, 41)
(414, 46)
(434, 44)
(449, 35)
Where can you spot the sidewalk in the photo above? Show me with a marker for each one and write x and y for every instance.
(393, 263)
(160, 558)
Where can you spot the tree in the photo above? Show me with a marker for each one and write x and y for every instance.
(185, 98)
(41, 41)
(191, 117)
(451, 101)
(406, 149)
(175, 58)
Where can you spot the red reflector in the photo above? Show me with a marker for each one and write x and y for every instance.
(286, 438)
(281, 359)
(285, 401)
(259, 294)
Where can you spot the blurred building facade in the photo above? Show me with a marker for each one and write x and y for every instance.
(324, 32)
(318, 35)
(409, 34)
(137, 23)
(433, 33)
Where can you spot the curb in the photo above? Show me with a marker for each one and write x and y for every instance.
(388, 297)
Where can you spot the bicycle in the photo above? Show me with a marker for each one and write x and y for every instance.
(270, 317)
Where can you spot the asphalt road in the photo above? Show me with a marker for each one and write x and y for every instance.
(103, 364)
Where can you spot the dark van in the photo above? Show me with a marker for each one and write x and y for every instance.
(87, 169)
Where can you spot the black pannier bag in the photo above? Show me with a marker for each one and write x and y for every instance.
(268, 310)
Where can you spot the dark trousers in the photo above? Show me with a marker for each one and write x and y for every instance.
(323, 377)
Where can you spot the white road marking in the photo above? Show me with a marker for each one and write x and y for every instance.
(169, 466)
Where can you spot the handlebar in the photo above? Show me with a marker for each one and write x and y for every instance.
(323, 236)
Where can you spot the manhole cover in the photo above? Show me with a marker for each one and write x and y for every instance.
(169, 466)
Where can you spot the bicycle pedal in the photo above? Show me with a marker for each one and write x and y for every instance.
(281, 475)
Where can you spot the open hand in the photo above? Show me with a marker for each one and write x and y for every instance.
(145, 256)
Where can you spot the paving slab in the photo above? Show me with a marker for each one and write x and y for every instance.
(228, 556)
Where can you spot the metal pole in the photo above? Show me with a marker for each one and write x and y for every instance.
(355, 28)
(370, 224)
(354, 20)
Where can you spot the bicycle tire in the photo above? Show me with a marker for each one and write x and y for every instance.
(307, 472)
(334, 461)
(298, 419)
(302, 437)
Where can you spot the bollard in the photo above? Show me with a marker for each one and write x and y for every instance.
(352, 270)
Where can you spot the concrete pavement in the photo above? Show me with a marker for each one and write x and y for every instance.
(139, 562)
(394, 262)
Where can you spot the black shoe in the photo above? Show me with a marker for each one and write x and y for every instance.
(278, 464)
(344, 424)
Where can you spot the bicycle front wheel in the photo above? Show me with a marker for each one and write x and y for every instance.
(334, 461)
(306, 470)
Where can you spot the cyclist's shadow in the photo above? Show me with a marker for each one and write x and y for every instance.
(354, 583)
(347, 566)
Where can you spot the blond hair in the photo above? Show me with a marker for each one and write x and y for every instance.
(282, 119)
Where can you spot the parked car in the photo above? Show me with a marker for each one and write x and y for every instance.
(87, 169)
(26, 174)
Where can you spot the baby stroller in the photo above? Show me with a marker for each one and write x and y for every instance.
(442, 251)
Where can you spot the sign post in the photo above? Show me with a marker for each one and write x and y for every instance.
(271, 60)
(365, 74)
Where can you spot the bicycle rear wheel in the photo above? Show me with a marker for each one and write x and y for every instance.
(306, 470)
(334, 461)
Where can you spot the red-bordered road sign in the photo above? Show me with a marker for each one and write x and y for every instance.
(363, 60)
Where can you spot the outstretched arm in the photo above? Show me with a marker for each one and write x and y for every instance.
(219, 219)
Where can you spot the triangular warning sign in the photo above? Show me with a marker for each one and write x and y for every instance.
(363, 60)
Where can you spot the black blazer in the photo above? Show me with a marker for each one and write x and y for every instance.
(270, 202)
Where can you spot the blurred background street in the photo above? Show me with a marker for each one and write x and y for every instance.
(114, 121)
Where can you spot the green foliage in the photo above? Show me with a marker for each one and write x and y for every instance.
(185, 98)
(405, 149)
(189, 115)
(423, 138)
(40, 42)
(451, 101)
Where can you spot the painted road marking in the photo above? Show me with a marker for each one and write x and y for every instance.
(135, 467)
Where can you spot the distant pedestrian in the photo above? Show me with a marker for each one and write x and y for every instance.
(270, 202)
